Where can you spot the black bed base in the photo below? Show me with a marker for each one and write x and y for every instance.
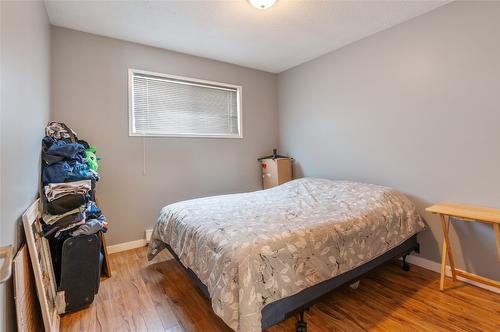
(278, 311)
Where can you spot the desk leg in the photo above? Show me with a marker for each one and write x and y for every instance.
(445, 225)
(496, 229)
(443, 266)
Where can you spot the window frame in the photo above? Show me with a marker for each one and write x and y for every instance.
(188, 81)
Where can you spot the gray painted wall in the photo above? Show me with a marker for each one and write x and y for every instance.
(24, 71)
(89, 93)
(416, 107)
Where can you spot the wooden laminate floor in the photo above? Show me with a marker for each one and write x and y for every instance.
(159, 296)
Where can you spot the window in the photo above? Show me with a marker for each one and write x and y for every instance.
(165, 105)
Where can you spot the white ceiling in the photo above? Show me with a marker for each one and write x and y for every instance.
(284, 36)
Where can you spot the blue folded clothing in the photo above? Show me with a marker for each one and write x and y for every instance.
(64, 171)
(55, 150)
(55, 173)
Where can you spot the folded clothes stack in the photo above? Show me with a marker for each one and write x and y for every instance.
(86, 219)
(69, 173)
(56, 191)
(65, 161)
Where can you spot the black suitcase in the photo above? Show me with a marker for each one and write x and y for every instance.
(81, 262)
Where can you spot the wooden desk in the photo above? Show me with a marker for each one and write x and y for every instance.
(466, 213)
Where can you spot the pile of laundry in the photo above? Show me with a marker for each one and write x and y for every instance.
(69, 174)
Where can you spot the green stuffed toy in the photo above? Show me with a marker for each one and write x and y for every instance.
(91, 158)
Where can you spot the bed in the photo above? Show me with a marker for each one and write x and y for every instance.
(262, 255)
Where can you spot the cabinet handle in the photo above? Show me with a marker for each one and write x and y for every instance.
(6, 269)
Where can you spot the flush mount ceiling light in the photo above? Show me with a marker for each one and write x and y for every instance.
(262, 4)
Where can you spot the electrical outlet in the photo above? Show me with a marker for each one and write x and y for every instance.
(149, 232)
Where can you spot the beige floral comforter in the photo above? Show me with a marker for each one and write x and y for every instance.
(254, 248)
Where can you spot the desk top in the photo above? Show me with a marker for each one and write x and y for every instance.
(473, 212)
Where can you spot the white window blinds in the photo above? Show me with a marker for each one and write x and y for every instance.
(163, 105)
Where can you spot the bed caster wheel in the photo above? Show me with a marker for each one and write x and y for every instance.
(406, 266)
(354, 285)
(301, 325)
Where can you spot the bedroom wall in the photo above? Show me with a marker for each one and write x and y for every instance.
(89, 93)
(416, 107)
(24, 95)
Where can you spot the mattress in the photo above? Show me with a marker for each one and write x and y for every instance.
(252, 249)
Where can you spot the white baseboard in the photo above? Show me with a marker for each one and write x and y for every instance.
(126, 246)
(436, 267)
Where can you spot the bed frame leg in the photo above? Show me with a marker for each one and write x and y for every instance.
(406, 266)
(417, 248)
(301, 325)
(354, 285)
